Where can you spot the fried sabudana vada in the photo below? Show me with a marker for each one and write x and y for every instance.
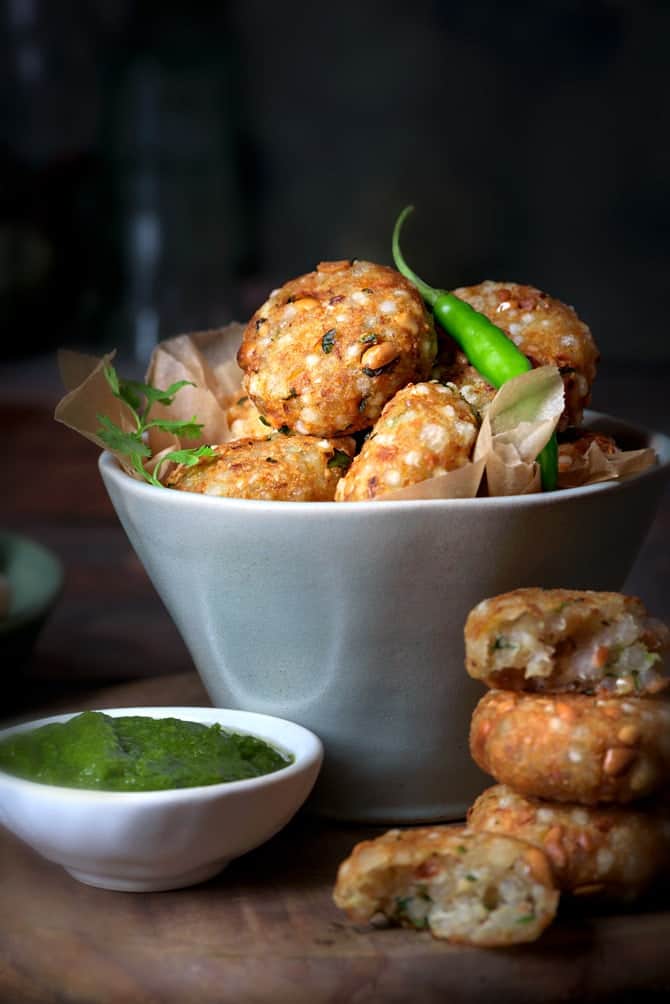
(547, 331)
(555, 640)
(426, 429)
(571, 747)
(470, 888)
(282, 468)
(326, 352)
(610, 851)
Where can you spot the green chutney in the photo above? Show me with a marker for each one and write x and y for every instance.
(135, 753)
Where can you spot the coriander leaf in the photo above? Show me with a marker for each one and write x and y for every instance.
(187, 457)
(190, 457)
(112, 379)
(328, 341)
(122, 442)
(152, 395)
(190, 429)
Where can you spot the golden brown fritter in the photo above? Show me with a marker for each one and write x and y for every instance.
(283, 468)
(559, 640)
(425, 430)
(611, 851)
(469, 888)
(326, 352)
(546, 331)
(573, 748)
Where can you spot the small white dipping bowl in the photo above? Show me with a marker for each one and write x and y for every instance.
(348, 616)
(140, 841)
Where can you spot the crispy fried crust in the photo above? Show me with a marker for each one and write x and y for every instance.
(283, 468)
(573, 748)
(470, 888)
(547, 331)
(426, 429)
(326, 352)
(560, 640)
(610, 851)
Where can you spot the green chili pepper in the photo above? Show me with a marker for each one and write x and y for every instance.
(488, 348)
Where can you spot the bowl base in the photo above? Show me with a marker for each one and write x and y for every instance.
(158, 883)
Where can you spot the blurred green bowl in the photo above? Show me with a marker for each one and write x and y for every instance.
(35, 579)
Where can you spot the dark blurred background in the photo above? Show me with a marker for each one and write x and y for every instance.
(163, 165)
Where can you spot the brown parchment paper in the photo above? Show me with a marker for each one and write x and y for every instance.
(596, 465)
(519, 422)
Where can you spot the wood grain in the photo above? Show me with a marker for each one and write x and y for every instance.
(266, 930)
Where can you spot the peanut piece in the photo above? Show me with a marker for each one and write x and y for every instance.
(539, 866)
(628, 734)
(379, 355)
(305, 303)
(617, 760)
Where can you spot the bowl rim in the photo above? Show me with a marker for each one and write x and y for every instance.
(50, 585)
(260, 725)
(110, 469)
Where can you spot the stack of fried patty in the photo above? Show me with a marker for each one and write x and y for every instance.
(576, 729)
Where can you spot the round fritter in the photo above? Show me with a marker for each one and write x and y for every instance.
(470, 888)
(283, 468)
(573, 748)
(425, 430)
(559, 640)
(245, 421)
(326, 352)
(611, 851)
(547, 332)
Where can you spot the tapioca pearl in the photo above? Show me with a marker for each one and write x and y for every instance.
(387, 307)
(420, 390)
(383, 439)
(392, 477)
(556, 725)
(465, 430)
(574, 756)
(413, 458)
(311, 360)
(579, 816)
(545, 815)
(353, 352)
(434, 436)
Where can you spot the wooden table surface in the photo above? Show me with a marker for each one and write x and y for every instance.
(266, 928)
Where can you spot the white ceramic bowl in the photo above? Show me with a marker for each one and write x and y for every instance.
(153, 840)
(348, 617)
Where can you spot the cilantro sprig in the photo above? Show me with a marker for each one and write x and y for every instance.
(140, 399)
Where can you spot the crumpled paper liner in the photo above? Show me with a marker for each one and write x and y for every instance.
(596, 465)
(519, 422)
